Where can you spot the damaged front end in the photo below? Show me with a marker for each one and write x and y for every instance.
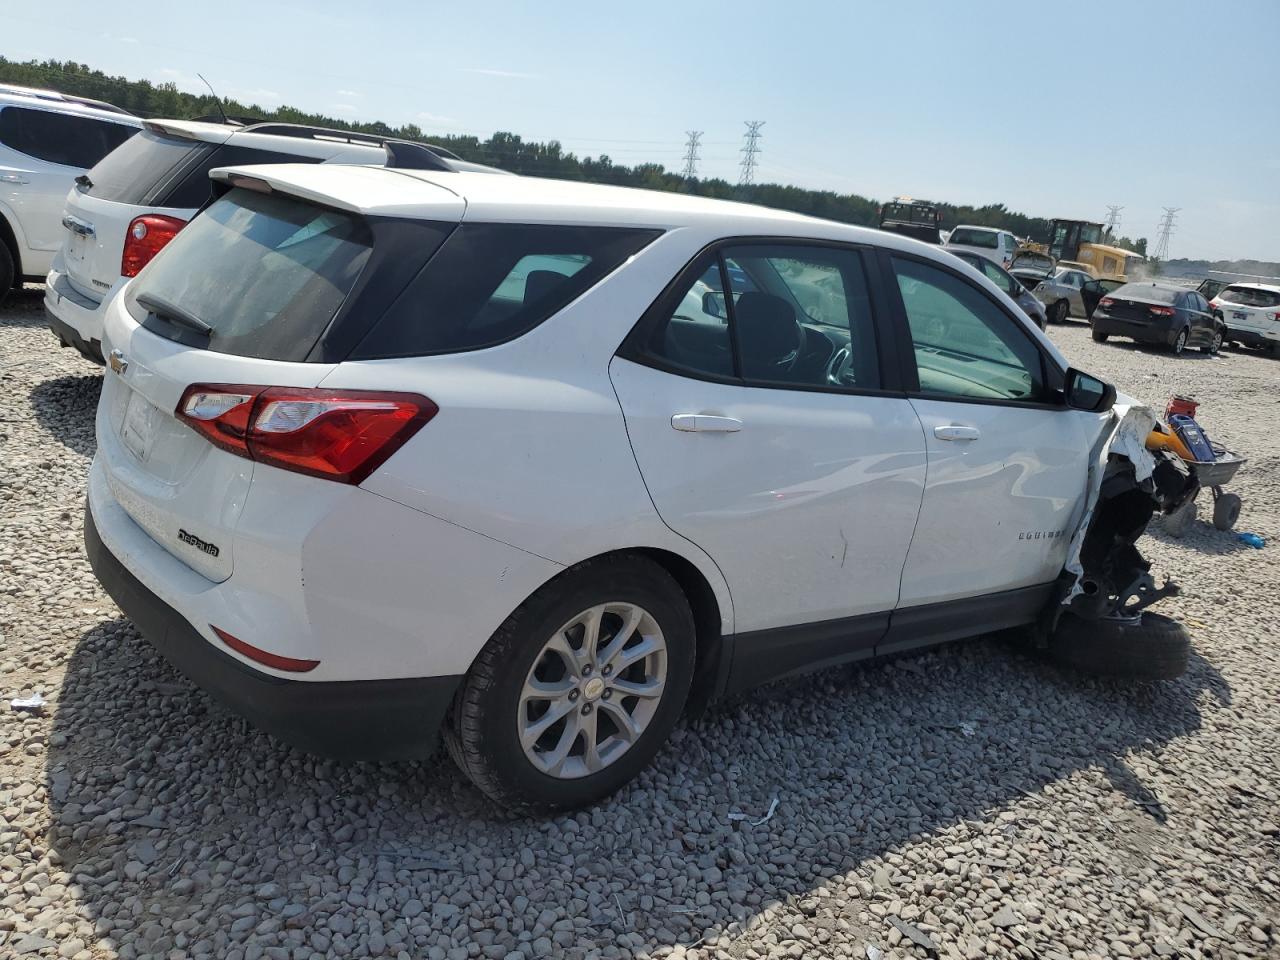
(1105, 576)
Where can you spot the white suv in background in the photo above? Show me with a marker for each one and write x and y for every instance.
(383, 452)
(47, 139)
(998, 246)
(124, 210)
(1251, 312)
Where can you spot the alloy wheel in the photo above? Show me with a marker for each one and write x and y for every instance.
(593, 690)
(1180, 344)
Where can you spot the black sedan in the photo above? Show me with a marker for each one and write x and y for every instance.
(1159, 313)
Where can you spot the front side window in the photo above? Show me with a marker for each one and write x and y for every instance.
(965, 346)
(66, 138)
(795, 315)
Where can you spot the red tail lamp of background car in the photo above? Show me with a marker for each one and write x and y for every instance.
(146, 236)
(341, 435)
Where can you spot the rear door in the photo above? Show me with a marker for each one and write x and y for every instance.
(769, 435)
(1007, 463)
(50, 150)
(267, 274)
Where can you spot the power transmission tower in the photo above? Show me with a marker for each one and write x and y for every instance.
(691, 157)
(750, 150)
(1166, 229)
(1113, 217)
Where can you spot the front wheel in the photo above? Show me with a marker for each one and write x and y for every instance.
(1180, 343)
(576, 692)
(1144, 647)
(1214, 344)
(1226, 511)
(1099, 337)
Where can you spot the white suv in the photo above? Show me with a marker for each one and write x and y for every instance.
(47, 139)
(383, 451)
(998, 246)
(1251, 312)
(135, 201)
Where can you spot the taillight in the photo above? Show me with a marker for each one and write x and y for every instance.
(341, 435)
(146, 236)
(1160, 311)
(1106, 302)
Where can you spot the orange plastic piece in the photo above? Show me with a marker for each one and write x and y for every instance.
(1157, 439)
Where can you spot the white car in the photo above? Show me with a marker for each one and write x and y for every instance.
(136, 200)
(998, 246)
(383, 452)
(1251, 312)
(47, 139)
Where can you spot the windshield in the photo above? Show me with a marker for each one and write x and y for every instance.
(1250, 297)
(910, 213)
(266, 273)
(1091, 233)
(969, 237)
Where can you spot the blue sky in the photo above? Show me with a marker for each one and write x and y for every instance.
(1053, 110)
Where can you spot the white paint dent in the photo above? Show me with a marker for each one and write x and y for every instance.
(1130, 424)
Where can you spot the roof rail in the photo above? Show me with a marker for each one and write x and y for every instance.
(404, 155)
(229, 120)
(307, 132)
(54, 95)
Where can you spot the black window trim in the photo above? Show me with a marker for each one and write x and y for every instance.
(1053, 375)
(634, 346)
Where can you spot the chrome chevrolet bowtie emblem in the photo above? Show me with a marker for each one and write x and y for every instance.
(118, 363)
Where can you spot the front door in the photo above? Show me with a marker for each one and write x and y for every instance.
(1007, 462)
(765, 433)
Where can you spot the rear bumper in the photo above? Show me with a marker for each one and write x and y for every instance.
(1253, 338)
(1143, 332)
(70, 336)
(357, 719)
(74, 318)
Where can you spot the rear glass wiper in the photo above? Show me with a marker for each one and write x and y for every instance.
(173, 313)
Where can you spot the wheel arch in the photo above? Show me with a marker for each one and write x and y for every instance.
(10, 241)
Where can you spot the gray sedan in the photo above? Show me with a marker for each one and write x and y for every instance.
(1058, 287)
(1010, 284)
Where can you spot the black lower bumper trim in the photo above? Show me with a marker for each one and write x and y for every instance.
(89, 349)
(1248, 338)
(347, 720)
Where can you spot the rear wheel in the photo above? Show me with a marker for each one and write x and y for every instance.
(1059, 311)
(574, 695)
(1100, 337)
(1226, 511)
(6, 272)
(1145, 647)
(1180, 342)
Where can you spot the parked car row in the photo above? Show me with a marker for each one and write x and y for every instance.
(391, 449)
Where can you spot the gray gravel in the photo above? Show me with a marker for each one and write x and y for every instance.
(968, 802)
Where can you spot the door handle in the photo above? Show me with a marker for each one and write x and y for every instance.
(702, 423)
(955, 431)
(12, 178)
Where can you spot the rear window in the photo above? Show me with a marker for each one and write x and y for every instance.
(131, 173)
(1147, 292)
(266, 272)
(65, 138)
(987, 239)
(493, 282)
(1250, 297)
(193, 188)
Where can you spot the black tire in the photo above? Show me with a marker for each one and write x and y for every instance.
(1149, 647)
(1226, 511)
(1099, 337)
(7, 269)
(1180, 342)
(481, 729)
(1058, 313)
(1214, 345)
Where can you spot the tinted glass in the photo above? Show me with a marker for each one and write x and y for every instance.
(1249, 297)
(1001, 279)
(797, 316)
(986, 239)
(65, 138)
(492, 282)
(130, 172)
(965, 345)
(193, 188)
(265, 271)
(1148, 292)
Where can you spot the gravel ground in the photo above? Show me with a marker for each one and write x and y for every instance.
(969, 802)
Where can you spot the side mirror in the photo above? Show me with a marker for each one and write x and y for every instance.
(713, 304)
(1084, 392)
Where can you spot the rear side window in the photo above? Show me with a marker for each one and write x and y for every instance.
(493, 282)
(1249, 297)
(975, 238)
(65, 138)
(265, 272)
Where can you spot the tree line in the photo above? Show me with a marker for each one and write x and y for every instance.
(508, 151)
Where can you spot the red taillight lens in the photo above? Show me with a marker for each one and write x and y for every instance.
(146, 236)
(1160, 311)
(341, 435)
(1106, 302)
